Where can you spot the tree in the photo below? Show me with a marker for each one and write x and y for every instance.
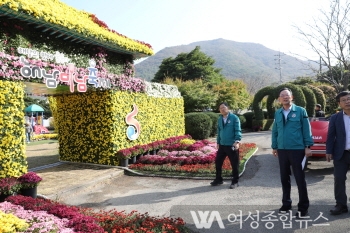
(189, 66)
(234, 92)
(329, 37)
(330, 94)
(336, 72)
(254, 84)
(196, 94)
(303, 81)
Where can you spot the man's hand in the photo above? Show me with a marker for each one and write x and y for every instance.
(329, 157)
(274, 153)
(308, 152)
(236, 145)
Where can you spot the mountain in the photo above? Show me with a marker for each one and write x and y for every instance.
(237, 60)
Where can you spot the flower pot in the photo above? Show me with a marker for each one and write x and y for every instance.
(29, 192)
(146, 153)
(154, 152)
(124, 162)
(3, 196)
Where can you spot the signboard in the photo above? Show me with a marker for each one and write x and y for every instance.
(54, 77)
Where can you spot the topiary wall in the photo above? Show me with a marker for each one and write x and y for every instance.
(305, 96)
(311, 100)
(319, 95)
(270, 106)
(92, 125)
(330, 94)
(266, 91)
(12, 136)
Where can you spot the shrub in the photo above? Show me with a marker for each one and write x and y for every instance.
(248, 119)
(242, 120)
(198, 125)
(214, 117)
(266, 116)
(265, 124)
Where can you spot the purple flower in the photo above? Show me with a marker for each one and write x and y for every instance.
(29, 180)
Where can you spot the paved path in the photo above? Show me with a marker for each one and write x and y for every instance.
(259, 189)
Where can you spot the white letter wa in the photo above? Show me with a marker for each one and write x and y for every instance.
(204, 216)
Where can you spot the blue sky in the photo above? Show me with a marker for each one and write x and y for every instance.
(166, 23)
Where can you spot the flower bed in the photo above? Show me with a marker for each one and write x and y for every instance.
(32, 221)
(198, 160)
(140, 149)
(84, 220)
(38, 137)
(9, 186)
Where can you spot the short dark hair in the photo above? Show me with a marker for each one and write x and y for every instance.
(341, 94)
(285, 89)
(319, 105)
(224, 103)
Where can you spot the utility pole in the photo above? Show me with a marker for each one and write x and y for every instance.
(279, 63)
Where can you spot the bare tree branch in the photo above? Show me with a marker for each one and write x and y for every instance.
(328, 37)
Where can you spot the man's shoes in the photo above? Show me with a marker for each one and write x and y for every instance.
(301, 214)
(216, 182)
(234, 185)
(284, 209)
(339, 209)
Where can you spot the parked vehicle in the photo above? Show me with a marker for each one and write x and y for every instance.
(319, 129)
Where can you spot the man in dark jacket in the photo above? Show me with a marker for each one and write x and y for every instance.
(228, 138)
(338, 149)
(318, 111)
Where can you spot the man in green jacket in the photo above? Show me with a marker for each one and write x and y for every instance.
(291, 141)
(228, 138)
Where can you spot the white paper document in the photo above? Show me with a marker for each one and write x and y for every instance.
(303, 162)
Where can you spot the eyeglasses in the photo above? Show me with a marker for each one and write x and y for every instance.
(284, 95)
(344, 100)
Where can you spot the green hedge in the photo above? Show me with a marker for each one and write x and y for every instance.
(243, 121)
(249, 119)
(214, 118)
(311, 100)
(266, 91)
(262, 124)
(198, 125)
(319, 95)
